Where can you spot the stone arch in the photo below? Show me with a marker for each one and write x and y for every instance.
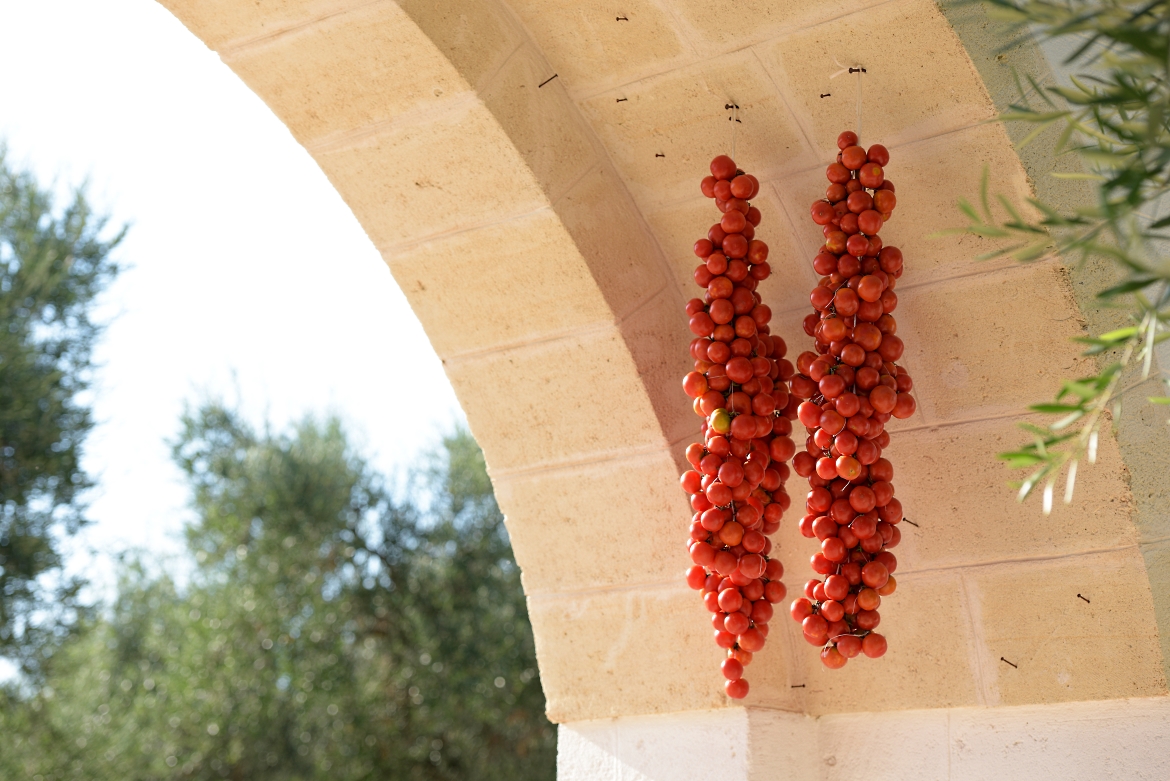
(540, 227)
(538, 283)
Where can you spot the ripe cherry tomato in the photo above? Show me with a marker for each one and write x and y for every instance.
(732, 669)
(838, 174)
(871, 175)
(853, 157)
(847, 139)
(723, 167)
(873, 645)
(878, 154)
(822, 212)
(832, 658)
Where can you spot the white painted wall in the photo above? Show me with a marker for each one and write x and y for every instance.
(698, 744)
(1118, 740)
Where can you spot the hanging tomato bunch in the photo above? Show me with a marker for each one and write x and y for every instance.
(739, 390)
(852, 386)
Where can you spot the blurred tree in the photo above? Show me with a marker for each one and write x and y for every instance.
(327, 631)
(53, 264)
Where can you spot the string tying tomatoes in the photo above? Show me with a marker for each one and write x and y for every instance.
(851, 386)
(739, 389)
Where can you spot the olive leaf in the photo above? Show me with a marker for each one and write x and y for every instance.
(1115, 118)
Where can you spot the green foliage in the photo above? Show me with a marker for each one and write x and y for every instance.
(53, 264)
(1115, 117)
(328, 631)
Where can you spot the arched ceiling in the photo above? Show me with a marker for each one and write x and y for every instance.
(529, 170)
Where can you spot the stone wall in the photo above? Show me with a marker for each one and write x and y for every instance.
(541, 229)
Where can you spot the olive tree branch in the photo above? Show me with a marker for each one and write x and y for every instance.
(1115, 118)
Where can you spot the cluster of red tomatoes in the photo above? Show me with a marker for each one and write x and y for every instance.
(739, 390)
(852, 387)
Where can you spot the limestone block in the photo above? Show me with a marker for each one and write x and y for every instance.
(475, 36)
(678, 452)
(589, 48)
(1065, 648)
(614, 522)
(794, 552)
(796, 192)
(639, 650)
(348, 71)
(789, 326)
(680, 115)
(223, 23)
(931, 177)
(770, 673)
(951, 484)
(609, 232)
(990, 344)
(918, 82)
(457, 171)
(659, 342)
(481, 288)
(541, 122)
(677, 227)
(731, 24)
(793, 276)
(927, 665)
(574, 398)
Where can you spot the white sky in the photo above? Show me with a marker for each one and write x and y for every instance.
(248, 271)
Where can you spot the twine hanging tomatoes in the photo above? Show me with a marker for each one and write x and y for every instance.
(853, 387)
(739, 390)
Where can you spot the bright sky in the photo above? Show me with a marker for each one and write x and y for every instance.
(249, 278)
